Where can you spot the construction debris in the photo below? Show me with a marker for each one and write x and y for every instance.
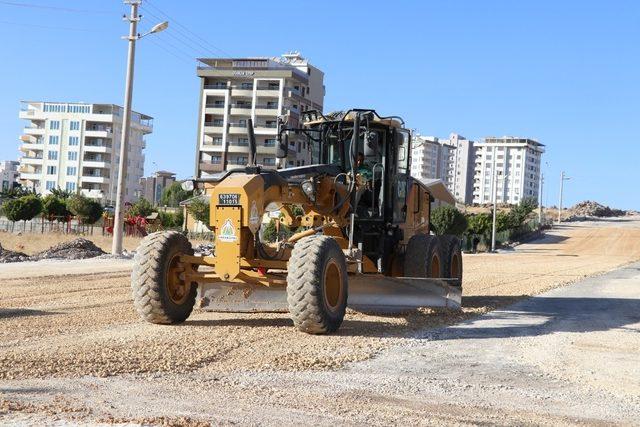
(76, 249)
(12, 256)
(204, 249)
(590, 208)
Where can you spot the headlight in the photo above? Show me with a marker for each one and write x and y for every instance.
(187, 185)
(309, 188)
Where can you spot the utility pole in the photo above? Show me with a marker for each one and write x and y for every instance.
(118, 220)
(562, 180)
(495, 197)
(540, 203)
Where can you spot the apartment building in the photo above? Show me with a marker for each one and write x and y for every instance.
(232, 90)
(151, 187)
(76, 147)
(450, 160)
(512, 163)
(9, 174)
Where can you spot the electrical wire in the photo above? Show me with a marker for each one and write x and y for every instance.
(47, 27)
(186, 31)
(59, 9)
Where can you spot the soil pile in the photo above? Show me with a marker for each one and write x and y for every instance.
(12, 256)
(595, 209)
(75, 249)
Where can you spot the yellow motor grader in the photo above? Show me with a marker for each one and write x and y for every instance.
(362, 237)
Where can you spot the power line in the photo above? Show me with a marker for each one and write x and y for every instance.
(171, 32)
(59, 9)
(47, 27)
(188, 30)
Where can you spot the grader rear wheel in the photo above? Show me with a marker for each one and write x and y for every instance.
(317, 285)
(422, 257)
(452, 258)
(159, 294)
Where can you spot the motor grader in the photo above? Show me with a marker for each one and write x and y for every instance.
(361, 233)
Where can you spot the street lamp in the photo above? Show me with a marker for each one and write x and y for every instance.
(133, 19)
(562, 180)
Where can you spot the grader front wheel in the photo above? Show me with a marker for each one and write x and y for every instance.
(317, 285)
(159, 294)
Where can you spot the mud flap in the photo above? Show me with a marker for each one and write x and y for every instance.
(367, 293)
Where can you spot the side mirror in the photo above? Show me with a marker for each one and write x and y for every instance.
(370, 144)
(283, 143)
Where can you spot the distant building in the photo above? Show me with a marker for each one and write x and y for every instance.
(514, 162)
(76, 147)
(9, 174)
(232, 90)
(153, 186)
(450, 160)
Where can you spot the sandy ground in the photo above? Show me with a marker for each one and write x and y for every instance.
(31, 243)
(68, 325)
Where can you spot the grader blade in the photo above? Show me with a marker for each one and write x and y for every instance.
(367, 293)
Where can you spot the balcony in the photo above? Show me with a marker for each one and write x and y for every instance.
(211, 167)
(266, 110)
(216, 87)
(214, 109)
(240, 109)
(34, 130)
(213, 127)
(293, 92)
(238, 128)
(97, 148)
(96, 179)
(31, 176)
(93, 163)
(92, 193)
(31, 160)
(32, 147)
(98, 131)
(242, 92)
(268, 92)
(266, 128)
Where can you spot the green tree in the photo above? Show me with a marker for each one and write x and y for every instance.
(504, 221)
(199, 208)
(87, 210)
(141, 208)
(446, 219)
(23, 208)
(174, 194)
(170, 219)
(54, 207)
(479, 224)
(60, 193)
(520, 211)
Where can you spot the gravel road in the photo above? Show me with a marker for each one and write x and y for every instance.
(72, 348)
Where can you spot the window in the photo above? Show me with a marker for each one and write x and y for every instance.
(54, 139)
(74, 125)
(54, 124)
(72, 155)
(246, 85)
(50, 185)
(241, 160)
(216, 160)
(52, 155)
(73, 140)
(273, 85)
(71, 186)
(269, 142)
(218, 122)
(51, 170)
(71, 170)
(269, 161)
(217, 140)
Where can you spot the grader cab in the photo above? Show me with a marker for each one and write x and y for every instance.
(361, 234)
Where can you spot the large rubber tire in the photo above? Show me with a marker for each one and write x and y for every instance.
(317, 285)
(150, 281)
(422, 257)
(451, 255)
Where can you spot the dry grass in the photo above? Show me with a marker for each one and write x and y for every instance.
(33, 243)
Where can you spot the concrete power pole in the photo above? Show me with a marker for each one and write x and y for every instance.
(495, 197)
(540, 202)
(118, 220)
(562, 180)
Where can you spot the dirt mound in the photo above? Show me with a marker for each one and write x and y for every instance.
(595, 209)
(12, 256)
(75, 249)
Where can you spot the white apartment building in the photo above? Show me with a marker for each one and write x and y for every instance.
(232, 90)
(9, 174)
(450, 160)
(514, 163)
(76, 146)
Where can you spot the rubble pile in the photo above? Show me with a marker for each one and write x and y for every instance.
(589, 208)
(75, 249)
(204, 249)
(12, 256)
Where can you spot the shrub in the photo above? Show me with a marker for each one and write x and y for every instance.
(174, 194)
(88, 210)
(199, 208)
(270, 234)
(447, 219)
(55, 207)
(22, 208)
(479, 224)
(141, 208)
(170, 219)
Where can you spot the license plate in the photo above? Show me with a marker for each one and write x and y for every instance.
(228, 199)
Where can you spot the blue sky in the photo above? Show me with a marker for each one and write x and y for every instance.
(564, 72)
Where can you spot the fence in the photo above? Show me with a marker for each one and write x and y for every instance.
(42, 225)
